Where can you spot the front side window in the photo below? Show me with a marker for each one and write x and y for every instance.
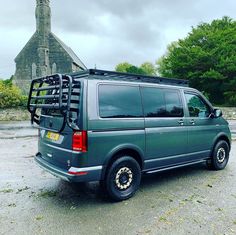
(196, 106)
(161, 102)
(117, 101)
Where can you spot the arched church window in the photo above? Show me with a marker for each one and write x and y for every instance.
(34, 70)
(54, 68)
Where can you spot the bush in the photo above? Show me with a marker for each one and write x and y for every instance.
(10, 95)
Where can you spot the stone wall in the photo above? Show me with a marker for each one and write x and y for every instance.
(28, 62)
(229, 112)
(58, 56)
(16, 114)
(24, 61)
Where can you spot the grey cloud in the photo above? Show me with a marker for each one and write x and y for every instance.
(108, 32)
(124, 20)
(17, 14)
(139, 22)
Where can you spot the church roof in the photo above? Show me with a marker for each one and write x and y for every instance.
(71, 53)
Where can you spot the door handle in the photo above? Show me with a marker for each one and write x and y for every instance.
(181, 122)
(192, 122)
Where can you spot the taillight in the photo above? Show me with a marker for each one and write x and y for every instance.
(80, 173)
(79, 141)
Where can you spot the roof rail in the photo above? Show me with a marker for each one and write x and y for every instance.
(111, 75)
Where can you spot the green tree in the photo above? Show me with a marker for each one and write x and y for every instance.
(207, 58)
(123, 67)
(149, 68)
(126, 67)
(146, 68)
(136, 70)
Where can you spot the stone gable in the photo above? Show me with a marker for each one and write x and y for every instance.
(45, 53)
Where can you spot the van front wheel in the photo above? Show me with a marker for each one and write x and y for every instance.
(123, 178)
(220, 156)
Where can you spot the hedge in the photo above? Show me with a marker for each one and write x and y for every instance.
(11, 96)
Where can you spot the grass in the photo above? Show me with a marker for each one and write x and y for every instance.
(163, 219)
(12, 205)
(39, 217)
(6, 190)
(46, 194)
(219, 209)
(22, 189)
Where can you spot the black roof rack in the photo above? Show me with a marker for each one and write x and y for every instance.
(62, 92)
(111, 75)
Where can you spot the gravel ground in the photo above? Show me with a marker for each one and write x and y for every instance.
(189, 200)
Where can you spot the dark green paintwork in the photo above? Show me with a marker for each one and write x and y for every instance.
(158, 143)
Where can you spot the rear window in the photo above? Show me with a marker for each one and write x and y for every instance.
(162, 102)
(117, 101)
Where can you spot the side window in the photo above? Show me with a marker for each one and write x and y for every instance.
(196, 106)
(174, 107)
(119, 101)
(161, 102)
(153, 102)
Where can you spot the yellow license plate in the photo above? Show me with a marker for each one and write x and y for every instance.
(52, 136)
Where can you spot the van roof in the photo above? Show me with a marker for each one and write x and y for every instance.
(127, 77)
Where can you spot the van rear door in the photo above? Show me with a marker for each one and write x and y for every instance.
(55, 104)
(55, 147)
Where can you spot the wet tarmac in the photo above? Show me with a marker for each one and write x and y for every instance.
(189, 200)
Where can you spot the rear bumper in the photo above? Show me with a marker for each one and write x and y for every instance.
(84, 174)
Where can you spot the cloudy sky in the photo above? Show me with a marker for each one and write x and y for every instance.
(107, 32)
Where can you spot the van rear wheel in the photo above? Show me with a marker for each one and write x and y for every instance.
(220, 156)
(123, 178)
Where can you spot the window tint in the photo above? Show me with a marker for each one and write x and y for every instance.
(119, 101)
(196, 106)
(161, 102)
(153, 102)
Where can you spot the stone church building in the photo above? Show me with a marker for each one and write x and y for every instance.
(45, 53)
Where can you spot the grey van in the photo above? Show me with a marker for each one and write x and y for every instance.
(113, 127)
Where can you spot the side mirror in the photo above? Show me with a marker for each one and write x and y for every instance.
(216, 113)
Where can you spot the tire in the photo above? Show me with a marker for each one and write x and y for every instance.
(123, 178)
(220, 156)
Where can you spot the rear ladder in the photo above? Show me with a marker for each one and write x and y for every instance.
(59, 93)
